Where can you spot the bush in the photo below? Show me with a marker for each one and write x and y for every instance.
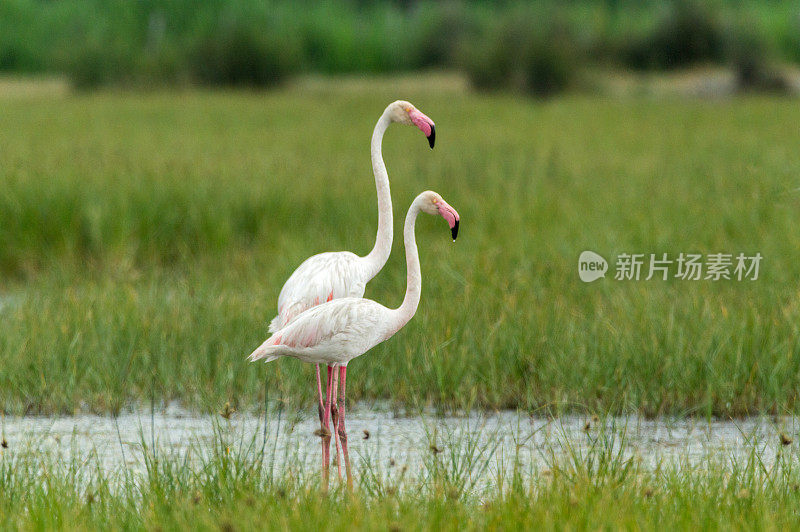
(96, 64)
(241, 55)
(687, 34)
(439, 31)
(521, 56)
(750, 58)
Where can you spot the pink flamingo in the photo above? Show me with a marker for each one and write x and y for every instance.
(334, 275)
(337, 331)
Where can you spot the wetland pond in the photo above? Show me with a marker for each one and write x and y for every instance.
(480, 445)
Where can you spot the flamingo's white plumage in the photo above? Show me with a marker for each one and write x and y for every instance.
(337, 331)
(334, 275)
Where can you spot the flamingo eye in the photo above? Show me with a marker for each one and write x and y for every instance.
(435, 200)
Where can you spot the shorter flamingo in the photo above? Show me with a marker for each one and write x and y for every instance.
(336, 332)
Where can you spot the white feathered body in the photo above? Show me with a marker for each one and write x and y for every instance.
(319, 279)
(332, 333)
(335, 332)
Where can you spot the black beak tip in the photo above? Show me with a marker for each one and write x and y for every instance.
(454, 231)
(432, 136)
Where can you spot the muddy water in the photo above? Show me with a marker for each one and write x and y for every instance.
(389, 443)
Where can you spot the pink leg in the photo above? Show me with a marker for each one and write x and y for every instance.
(340, 430)
(325, 416)
(335, 414)
(321, 411)
(319, 393)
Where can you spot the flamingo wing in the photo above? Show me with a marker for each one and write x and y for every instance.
(336, 329)
(319, 279)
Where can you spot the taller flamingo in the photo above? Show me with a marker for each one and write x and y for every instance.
(334, 275)
(337, 331)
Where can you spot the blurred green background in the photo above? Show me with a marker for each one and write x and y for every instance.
(539, 47)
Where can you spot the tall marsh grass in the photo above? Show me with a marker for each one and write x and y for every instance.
(144, 239)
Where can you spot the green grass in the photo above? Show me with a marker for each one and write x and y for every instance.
(232, 485)
(144, 239)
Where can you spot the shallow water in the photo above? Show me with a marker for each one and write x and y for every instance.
(389, 443)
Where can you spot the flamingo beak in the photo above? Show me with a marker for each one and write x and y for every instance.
(424, 124)
(452, 217)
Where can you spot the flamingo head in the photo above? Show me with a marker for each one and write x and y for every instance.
(433, 203)
(404, 112)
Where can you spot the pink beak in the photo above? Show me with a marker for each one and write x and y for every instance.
(424, 124)
(449, 214)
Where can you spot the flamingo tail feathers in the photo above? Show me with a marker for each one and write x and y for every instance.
(267, 352)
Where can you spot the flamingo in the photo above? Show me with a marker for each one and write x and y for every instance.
(337, 331)
(334, 275)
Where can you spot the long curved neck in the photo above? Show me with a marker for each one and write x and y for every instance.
(383, 241)
(414, 275)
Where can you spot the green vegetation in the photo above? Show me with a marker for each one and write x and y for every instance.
(144, 239)
(231, 484)
(537, 47)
